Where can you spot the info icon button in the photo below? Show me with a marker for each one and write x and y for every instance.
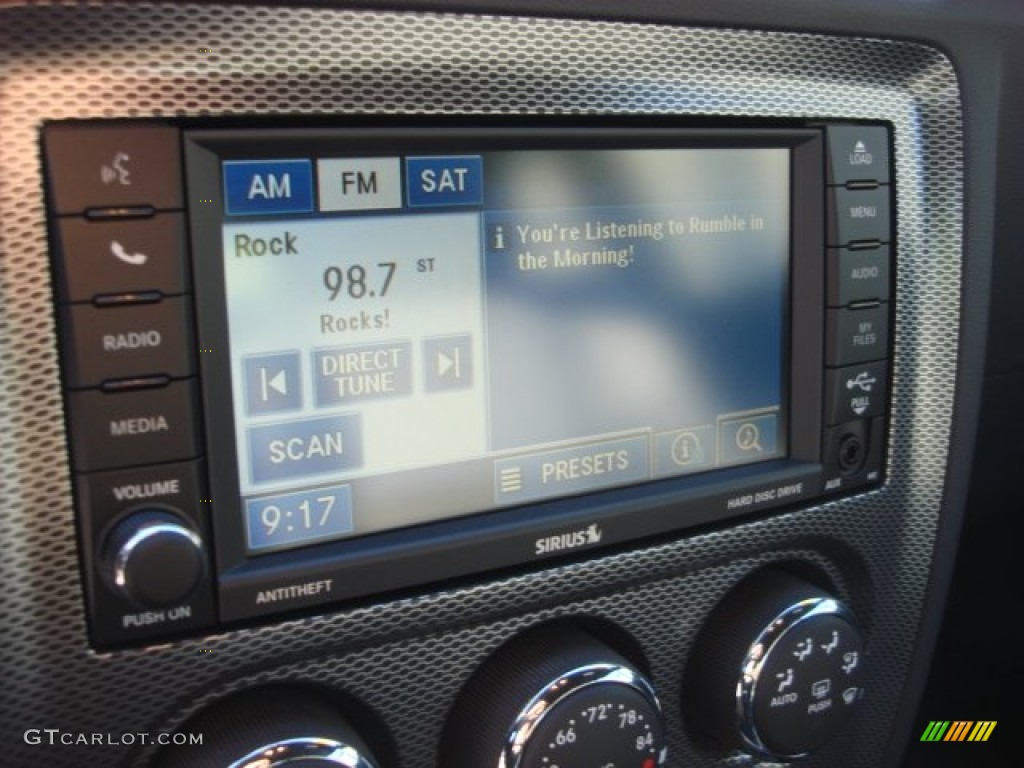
(272, 383)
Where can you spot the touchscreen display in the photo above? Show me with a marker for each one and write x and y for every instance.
(419, 337)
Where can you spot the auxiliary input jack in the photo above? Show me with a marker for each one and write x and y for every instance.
(851, 454)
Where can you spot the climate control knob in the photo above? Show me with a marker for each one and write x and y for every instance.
(777, 670)
(278, 726)
(556, 697)
(154, 558)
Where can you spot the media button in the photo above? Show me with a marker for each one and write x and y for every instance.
(253, 187)
(305, 448)
(126, 429)
(129, 341)
(444, 181)
(121, 256)
(360, 184)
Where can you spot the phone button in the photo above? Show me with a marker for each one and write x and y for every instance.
(121, 256)
(127, 342)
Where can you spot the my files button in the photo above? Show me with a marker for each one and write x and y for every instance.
(444, 181)
(253, 187)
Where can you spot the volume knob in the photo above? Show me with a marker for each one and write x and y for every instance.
(154, 558)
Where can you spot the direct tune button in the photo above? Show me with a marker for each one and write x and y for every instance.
(148, 426)
(121, 342)
(154, 558)
(112, 166)
(121, 256)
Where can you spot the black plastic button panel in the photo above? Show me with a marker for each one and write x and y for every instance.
(859, 267)
(120, 257)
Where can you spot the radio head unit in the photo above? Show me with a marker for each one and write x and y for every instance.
(414, 353)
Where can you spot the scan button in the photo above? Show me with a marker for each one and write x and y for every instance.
(305, 448)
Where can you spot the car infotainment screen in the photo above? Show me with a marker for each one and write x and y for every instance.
(416, 337)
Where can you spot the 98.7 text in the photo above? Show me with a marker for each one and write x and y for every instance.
(358, 281)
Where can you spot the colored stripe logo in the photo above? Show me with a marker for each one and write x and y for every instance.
(958, 730)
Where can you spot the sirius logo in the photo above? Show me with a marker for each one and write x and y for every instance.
(584, 537)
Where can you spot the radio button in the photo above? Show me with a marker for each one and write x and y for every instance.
(123, 342)
(118, 256)
(857, 153)
(857, 216)
(148, 426)
(856, 335)
(104, 166)
(855, 392)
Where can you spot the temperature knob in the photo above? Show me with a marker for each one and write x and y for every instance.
(556, 697)
(272, 727)
(778, 668)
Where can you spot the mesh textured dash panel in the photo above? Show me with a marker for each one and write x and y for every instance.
(406, 658)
